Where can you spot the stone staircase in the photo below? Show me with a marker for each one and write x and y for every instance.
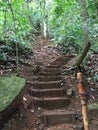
(49, 93)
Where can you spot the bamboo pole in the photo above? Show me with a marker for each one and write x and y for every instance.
(82, 94)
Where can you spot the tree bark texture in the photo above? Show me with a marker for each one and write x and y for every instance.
(82, 94)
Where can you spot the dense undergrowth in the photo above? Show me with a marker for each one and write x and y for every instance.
(59, 20)
(8, 52)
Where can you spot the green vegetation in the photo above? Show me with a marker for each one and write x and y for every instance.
(68, 23)
(93, 106)
(60, 20)
(10, 87)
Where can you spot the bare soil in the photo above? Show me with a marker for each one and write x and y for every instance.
(28, 116)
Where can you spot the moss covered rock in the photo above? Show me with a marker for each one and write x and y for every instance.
(10, 87)
(93, 106)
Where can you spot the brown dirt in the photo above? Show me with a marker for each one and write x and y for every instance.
(27, 117)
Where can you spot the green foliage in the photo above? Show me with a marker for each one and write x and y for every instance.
(64, 21)
(93, 106)
(10, 87)
(21, 25)
(8, 51)
(67, 28)
(68, 45)
(4, 49)
(3, 56)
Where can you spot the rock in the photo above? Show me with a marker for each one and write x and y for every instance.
(92, 106)
(78, 127)
(69, 92)
(41, 126)
(32, 111)
(48, 128)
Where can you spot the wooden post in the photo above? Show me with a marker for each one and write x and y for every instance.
(82, 94)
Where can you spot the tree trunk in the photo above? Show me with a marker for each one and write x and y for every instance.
(14, 19)
(82, 55)
(5, 23)
(85, 32)
(83, 98)
(44, 16)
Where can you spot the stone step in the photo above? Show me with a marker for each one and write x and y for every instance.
(48, 78)
(61, 58)
(52, 66)
(64, 126)
(57, 117)
(47, 85)
(57, 92)
(64, 57)
(69, 126)
(51, 103)
(50, 74)
(59, 63)
(52, 70)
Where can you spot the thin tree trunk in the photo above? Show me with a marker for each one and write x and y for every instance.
(41, 17)
(85, 32)
(5, 19)
(44, 19)
(17, 58)
(82, 55)
(84, 21)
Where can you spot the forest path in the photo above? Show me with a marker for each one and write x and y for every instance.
(43, 63)
(47, 92)
(27, 117)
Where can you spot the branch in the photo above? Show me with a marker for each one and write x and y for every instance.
(82, 55)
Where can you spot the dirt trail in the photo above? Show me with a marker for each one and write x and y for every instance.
(28, 115)
(43, 54)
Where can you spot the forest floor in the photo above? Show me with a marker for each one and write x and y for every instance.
(27, 116)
